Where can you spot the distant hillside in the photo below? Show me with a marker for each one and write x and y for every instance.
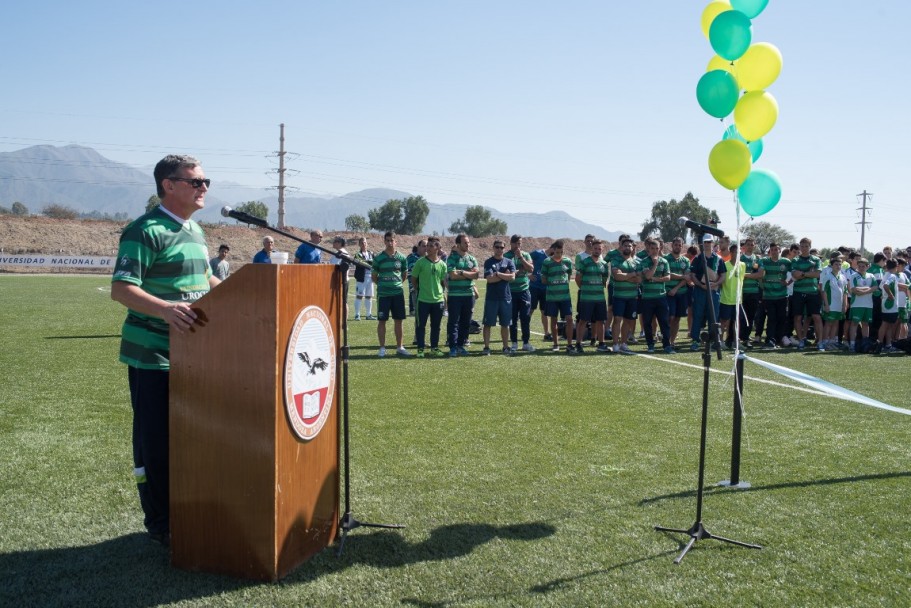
(80, 177)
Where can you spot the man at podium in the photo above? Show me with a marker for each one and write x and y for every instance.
(162, 268)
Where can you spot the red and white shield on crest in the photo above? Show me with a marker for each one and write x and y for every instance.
(310, 372)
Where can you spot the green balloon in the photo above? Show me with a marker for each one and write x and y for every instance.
(717, 93)
(731, 34)
(750, 8)
(760, 192)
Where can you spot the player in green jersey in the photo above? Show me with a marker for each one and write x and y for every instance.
(678, 292)
(774, 271)
(556, 273)
(428, 276)
(625, 277)
(521, 293)
(162, 268)
(656, 274)
(592, 274)
(389, 271)
(806, 303)
(463, 270)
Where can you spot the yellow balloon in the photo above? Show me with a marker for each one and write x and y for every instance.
(759, 66)
(730, 162)
(720, 63)
(710, 12)
(755, 114)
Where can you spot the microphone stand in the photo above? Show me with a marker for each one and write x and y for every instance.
(348, 522)
(698, 531)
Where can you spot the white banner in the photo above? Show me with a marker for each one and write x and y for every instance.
(57, 261)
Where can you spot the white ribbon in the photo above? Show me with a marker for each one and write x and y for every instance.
(827, 387)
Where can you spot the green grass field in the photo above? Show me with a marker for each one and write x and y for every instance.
(533, 480)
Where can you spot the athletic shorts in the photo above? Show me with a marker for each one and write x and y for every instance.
(805, 304)
(363, 289)
(861, 315)
(626, 308)
(592, 311)
(391, 304)
(832, 316)
(678, 304)
(538, 299)
(889, 317)
(561, 309)
(494, 309)
(726, 312)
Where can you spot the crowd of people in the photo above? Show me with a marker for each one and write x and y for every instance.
(787, 296)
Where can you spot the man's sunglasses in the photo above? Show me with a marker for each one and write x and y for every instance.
(195, 182)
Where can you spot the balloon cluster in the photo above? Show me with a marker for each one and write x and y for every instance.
(740, 65)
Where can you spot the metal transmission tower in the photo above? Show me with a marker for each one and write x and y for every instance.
(281, 154)
(863, 217)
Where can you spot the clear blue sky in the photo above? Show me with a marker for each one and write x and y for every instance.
(588, 107)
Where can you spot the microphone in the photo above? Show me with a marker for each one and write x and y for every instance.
(240, 216)
(686, 222)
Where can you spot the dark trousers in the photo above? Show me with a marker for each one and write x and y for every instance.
(747, 316)
(877, 317)
(433, 311)
(776, 312)
(701, 313)
(149, 398)
(649, 308)
(521, 312)
(759, 322)
(460, 308)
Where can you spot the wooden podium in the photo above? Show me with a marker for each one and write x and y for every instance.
(249, 498)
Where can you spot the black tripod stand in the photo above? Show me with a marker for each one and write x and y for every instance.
(349, 522)
(711, 338)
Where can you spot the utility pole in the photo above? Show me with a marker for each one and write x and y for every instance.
(281, 177)
(863, 217)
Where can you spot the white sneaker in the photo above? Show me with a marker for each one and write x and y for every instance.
(616, 348)
(786, 341)
(528, 348)
(515, 346)
(624, 350)
(382, 352)
(402, 352)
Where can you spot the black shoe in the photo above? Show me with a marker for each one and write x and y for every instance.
(162, 538)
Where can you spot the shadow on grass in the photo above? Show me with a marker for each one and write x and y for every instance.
(778, 486)
(131, 571)
(81, 337)
(540, 590)
(387, 549)
(557, 583)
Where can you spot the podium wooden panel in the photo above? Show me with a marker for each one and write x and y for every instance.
(248, 497)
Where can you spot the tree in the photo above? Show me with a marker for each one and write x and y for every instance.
(477, 222)
(401, 216)
(153, 202)
(5, 210)
(60, 212)
(254, 208)
(764, 233)
(19, 209)
(357, 223)
(663, 222)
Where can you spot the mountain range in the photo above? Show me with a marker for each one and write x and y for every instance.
(81, 178)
